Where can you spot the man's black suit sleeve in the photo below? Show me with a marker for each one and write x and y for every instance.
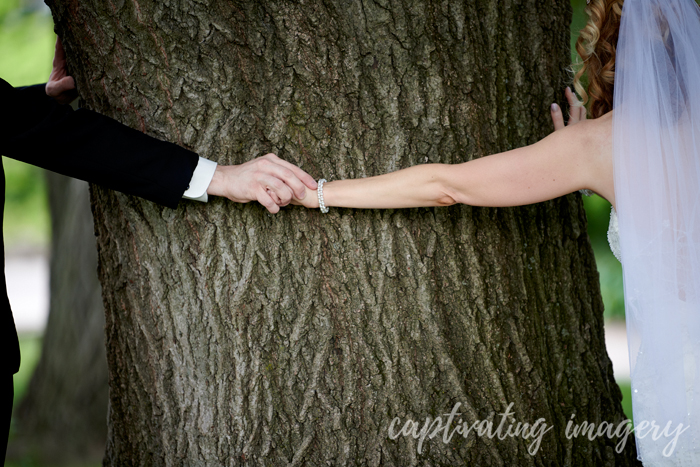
(89, 146)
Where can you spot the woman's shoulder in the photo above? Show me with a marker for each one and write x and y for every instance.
(597, 130)
(594, 131)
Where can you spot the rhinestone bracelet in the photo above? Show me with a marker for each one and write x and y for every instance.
(321, 204)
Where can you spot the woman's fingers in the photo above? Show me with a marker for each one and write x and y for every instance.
(557, 117)
(573, 107)
(584, 114)
(577, 111)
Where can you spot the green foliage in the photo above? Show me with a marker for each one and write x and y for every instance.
(30, 349)
(609, 268)
(7, 7)
(27, 220)
(33, 463)
(578, 21)
(26, 46)
(626, 388)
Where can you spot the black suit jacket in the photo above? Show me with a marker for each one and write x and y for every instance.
(83, 144)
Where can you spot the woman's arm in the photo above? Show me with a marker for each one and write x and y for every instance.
(563, 162)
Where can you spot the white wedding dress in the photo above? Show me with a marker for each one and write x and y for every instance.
(645, 403)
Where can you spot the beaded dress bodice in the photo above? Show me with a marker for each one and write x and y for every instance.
(614, 234)
(613, 230)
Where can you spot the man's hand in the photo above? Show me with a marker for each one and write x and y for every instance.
(577, 111)
(60, 86)
(268, 179)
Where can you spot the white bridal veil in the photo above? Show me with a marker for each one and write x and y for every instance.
(656, 147)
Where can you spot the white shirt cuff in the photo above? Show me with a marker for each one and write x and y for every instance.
(201, 178)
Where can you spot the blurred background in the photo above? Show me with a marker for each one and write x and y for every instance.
(26, 51)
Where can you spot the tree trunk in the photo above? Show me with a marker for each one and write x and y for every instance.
(63, 417)
(235, 337)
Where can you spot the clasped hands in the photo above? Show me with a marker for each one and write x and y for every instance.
(269, 180)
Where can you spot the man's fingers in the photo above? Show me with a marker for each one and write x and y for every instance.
(305, 178)
(65, 84)
(283, 199)
(278, 187)
(266, 200)
(557, 117)
(59, 53)
(284, 193)
(59, 47)
(286, 174)
(63, 90)
(274, 197)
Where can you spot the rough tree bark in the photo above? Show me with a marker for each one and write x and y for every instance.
(63, 417)
(239, 338)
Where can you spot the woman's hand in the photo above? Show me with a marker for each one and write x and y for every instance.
(577, 111)
(310, 199)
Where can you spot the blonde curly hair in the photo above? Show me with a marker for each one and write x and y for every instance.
(596, 46)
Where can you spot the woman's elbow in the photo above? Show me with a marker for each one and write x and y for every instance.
(436, 185)
(449, 190)
(447, 198)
